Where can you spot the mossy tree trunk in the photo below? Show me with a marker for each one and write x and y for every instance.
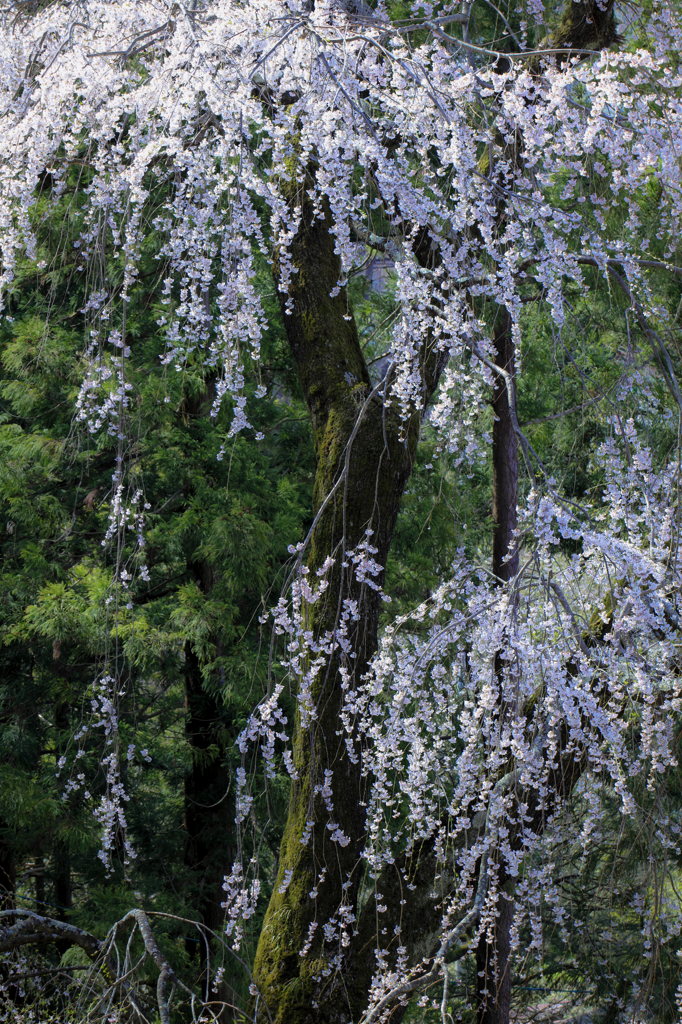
(585, 25)
(364, 458)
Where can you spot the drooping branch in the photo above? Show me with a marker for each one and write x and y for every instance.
(455, 941)
(167, 975)
(25, 927)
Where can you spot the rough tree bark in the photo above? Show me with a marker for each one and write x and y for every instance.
(492, 954)
(364, 459)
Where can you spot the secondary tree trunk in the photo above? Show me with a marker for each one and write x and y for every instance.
(209, 804)
(8, 873)
(584, 25)
(61, 853)
(493, 968)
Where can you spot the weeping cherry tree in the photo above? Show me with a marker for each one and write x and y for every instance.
(493, 158)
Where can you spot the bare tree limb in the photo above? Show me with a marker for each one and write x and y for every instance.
(31, 928)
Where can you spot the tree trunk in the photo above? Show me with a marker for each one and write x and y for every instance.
(505, 455)
(208, 805)
(492, 955)
(364, 458)
(8, 874)
(493, 970)
(61, 854)
(61, 879)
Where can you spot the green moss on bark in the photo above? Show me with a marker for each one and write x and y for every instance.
(585, 25)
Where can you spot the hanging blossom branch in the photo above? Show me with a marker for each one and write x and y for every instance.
(570, 710)
(210, 212)
(110, 812)
(383, 1000)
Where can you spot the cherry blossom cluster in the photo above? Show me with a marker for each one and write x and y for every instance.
(241, 900)
(202, 135)
(109, 810)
